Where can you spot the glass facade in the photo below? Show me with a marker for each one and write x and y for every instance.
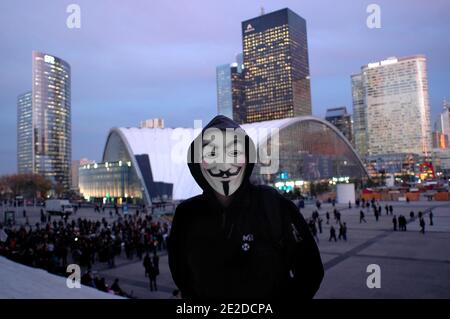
(311, 151)
(277, 83)
(224, 98)
(359, 116)
(115, 181)
(24, 134)
(230, 95)
(342, 120)
(395, 164)
(237, 93)
(51, 118)
(397, 110)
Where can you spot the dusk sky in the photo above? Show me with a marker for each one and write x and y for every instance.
(134, 60)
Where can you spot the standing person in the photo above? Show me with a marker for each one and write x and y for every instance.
(422, 225)
(394, 221)
(344, 231)
(391, 209)
(376, 214)
(341, 231)
(332, 234)
(152, 274)
(327, 215)
(236, 222)
(319, 223)
(362, 217)
(147, 263)
(431, 218)
(349, 204)
(386, 208)
(155, 262)
(338, 217)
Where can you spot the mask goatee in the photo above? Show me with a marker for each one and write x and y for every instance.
(226, 188)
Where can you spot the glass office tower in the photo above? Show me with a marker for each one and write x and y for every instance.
(392, 95)
(224, 98)
(342, 120)
(277, 83)
(24, 134)
(51, 118)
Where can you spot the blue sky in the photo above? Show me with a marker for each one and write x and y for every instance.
(133, 60)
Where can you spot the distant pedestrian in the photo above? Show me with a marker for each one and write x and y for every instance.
(362, 217)
(386, 208)
(422, 225)
(376, 215)
(342, 232)
(327, 215)
(394, 221)
(431, 218)
(411, 215)
(391, 209)
(152, 274)
(349, 204)
(319, 223)
(147, 264)
(318, 204)
(332, 234)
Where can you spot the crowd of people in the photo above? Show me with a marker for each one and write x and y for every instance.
(54, 245)
(365, 206)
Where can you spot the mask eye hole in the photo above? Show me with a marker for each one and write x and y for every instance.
(235, 153)
(212, 153)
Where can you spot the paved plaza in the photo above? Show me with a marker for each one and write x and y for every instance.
(412, 264)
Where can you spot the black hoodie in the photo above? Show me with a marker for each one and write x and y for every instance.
(218, 252)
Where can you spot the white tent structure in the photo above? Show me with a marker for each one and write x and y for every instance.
(22, 282)
(166, 149)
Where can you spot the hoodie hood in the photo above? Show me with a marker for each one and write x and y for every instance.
(195, 153)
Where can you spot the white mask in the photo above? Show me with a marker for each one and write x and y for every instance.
(223, 163)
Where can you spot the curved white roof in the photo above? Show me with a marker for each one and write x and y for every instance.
(167, 150)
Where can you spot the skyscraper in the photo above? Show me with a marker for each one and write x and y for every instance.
(24, 134)
(359, 116)
(391, 96)
(223, 83)
(276, 64)
(230, 86)
(50, 110)
(342, 120)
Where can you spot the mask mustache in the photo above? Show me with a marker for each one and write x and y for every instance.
(224, 174)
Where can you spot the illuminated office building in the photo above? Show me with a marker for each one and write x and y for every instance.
(49, 144)
(342, 120)
(24, 134)
(230, 86)
(275, 50)
(359, 116)
(390, 100)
